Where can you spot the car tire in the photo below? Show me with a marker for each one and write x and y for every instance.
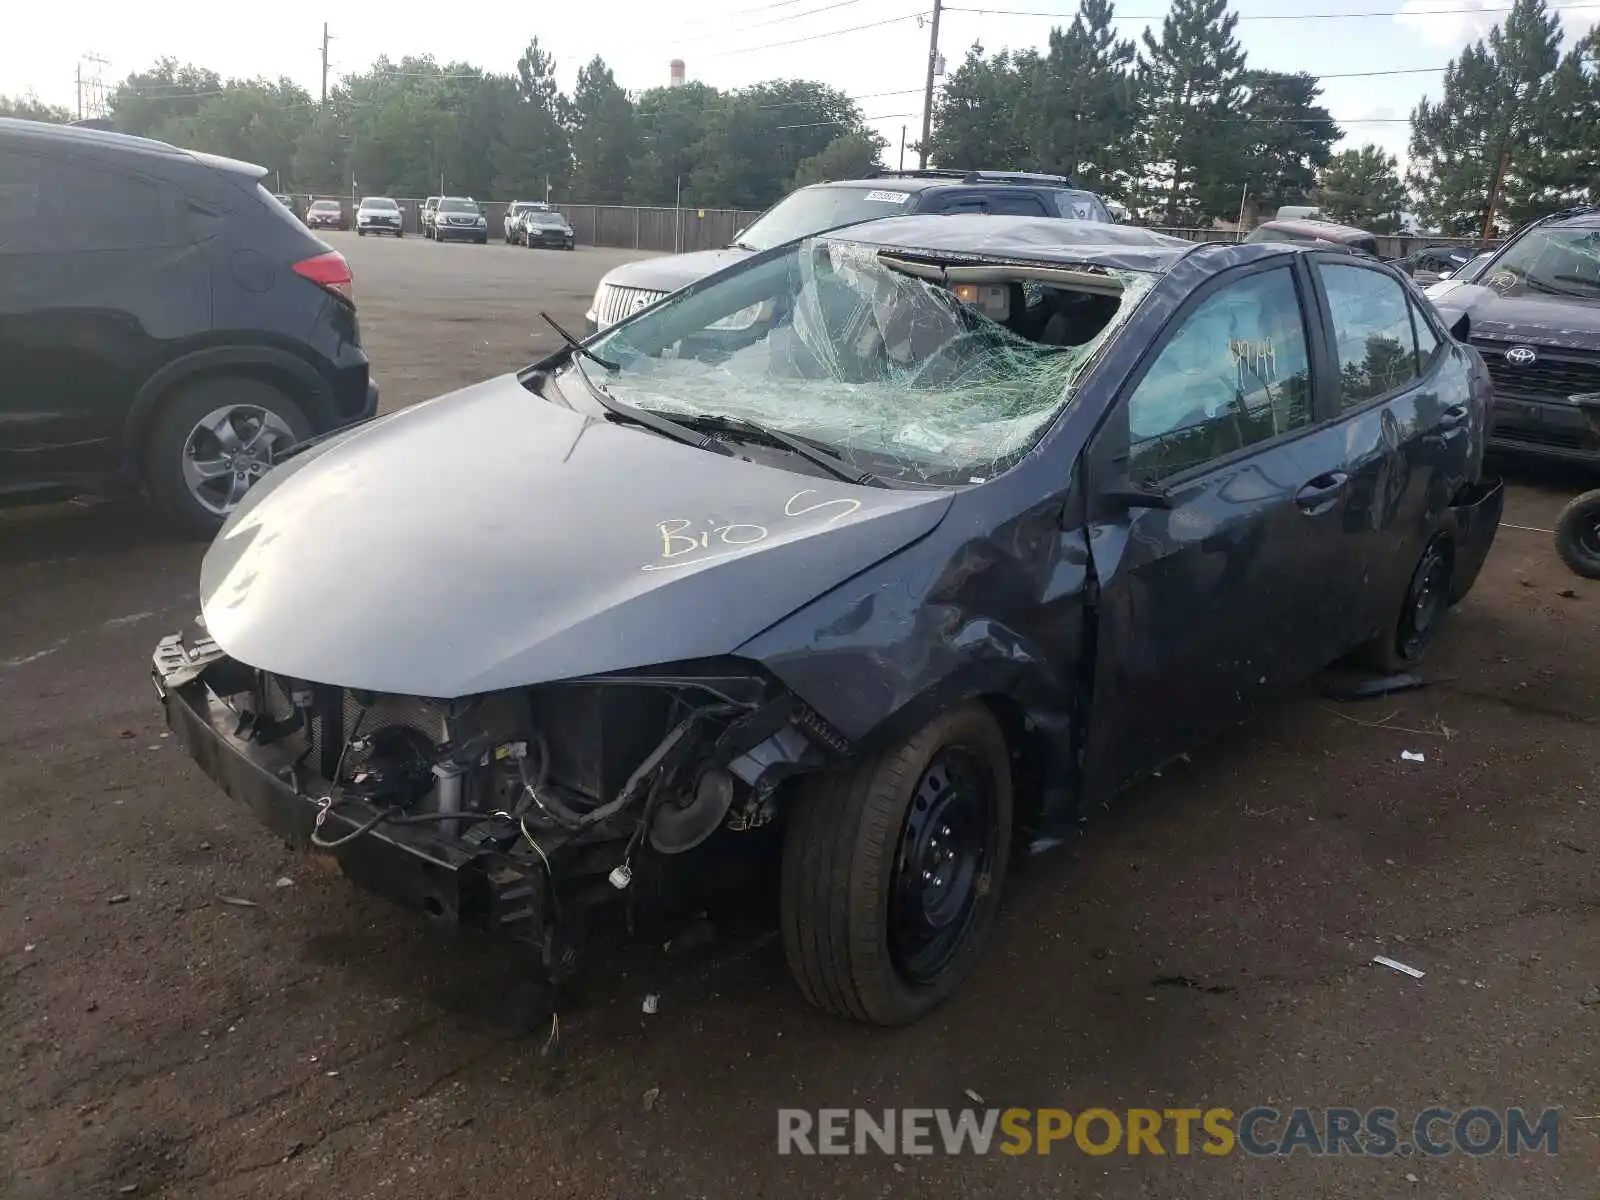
(857, 855)
(1578, 534)
(361, 233)
(175, 439)
(1422, 609)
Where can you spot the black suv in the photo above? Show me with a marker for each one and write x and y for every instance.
(164, 321)
(1533, 312)
(626, 289)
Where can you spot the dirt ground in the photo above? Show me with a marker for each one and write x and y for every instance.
(158, 1039)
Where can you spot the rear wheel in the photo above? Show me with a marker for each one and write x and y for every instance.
(1578, 534)
(892, 870)
(211, 441)
(1422, 610)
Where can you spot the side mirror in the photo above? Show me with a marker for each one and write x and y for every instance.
(1445, 274)
(1462, 328)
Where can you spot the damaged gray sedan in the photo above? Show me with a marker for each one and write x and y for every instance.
(869, 559)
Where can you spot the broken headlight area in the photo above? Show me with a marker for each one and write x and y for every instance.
(512, 811)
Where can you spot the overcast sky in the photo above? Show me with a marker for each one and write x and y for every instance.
(728, 43)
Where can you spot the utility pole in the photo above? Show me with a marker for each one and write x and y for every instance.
(1494, 199)
(95, 84)
(902, 147)
(927, 95)
(324, 62)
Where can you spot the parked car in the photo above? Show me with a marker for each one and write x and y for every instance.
(459, 218)
(545, 228)
(379, 214)
(290, 203)
(326, 214)
(632, 286)
(430, 208)
(513, 217)
(1433, 263)
(972, 523)
(164, 324)
(1533, 312)
(1324, 234)
(1470, 271)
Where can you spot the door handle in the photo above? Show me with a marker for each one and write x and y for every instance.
(1318, 493)
(1453, 416)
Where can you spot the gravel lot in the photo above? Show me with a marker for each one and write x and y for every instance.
(317, 1043)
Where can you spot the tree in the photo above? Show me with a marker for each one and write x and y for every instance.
(672, 124)
(255, 120)
(757, 137)
(849, 156)
(1362, 188)
(604, 137)
(1084, 104)
(146, 101)
(534, 153)
(975, 117)
(30, 108)
(1288, 137)
(1192, 81)
(1499, 134)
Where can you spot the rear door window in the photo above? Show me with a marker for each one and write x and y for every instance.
(1017, 204)
(52, 204)
(960, 202)
(1371, 316)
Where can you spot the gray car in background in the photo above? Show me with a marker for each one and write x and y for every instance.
(625, 290)
(460, 219)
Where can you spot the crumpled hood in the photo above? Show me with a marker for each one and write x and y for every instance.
(1540, 320)
(673, 271)
(492, 539)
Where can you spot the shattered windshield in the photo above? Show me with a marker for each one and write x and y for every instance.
(905, 368)
(814, 209)
(1549, 262)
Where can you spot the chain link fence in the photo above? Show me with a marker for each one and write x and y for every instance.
(677, 230)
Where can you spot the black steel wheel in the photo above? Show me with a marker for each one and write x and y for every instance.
(1422, 611)
(892, 870)
(941, 867)
(1578, 534)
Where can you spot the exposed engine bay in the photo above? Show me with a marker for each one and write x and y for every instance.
(516, 811)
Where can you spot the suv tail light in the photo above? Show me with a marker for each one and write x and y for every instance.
(330, 272)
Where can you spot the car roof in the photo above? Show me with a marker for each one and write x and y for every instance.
(78, 139)
(1328, 231)
(390, 199)
(1045, 240)
(327, 203)
(1589, 219)
(922, 183)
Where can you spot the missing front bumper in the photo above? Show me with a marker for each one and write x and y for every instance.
(408, 865)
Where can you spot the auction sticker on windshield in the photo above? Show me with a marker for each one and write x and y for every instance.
(888, 197)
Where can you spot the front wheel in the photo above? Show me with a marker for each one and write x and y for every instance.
(1578, 534)
(892, 870)
(210, 442)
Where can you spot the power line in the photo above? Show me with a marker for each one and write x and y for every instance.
(1323, 16)
(864, 120)
(722, 33)
(815, 37)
